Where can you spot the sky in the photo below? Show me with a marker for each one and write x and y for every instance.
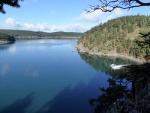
(60, 15)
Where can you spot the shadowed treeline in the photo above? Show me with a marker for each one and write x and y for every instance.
(102, 63)
(73, 100)
(70, 101)
(5, 46)
(128, 90)
(120, 98)
(20, 105)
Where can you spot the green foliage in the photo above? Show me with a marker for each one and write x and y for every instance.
(32, 34)
(143, 45)
(118, 97)
(102, 63)
(6, 37)
(118, 35)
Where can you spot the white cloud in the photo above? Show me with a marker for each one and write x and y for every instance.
(95, 17)
(91, 17)
(37, 27)
(53, 28)
(69, 28)
(28, 26)
(98, 16)
(11, 23)
(43, 27)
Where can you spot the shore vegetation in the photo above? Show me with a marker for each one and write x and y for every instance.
(124, 36)
(5, 38)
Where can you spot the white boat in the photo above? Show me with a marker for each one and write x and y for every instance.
(115, 67)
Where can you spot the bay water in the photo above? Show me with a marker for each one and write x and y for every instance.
(45, 76)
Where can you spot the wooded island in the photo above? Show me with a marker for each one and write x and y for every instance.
(126, 36)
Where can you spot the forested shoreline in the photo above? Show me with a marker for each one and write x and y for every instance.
(125, 36)
(5, 38)
(24, 34)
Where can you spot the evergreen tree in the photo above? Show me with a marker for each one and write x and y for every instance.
(13, 3)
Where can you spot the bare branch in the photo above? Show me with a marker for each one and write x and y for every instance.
(110, 5)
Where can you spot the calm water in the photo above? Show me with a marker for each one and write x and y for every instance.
(45, 76)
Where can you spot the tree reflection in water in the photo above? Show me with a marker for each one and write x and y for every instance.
(120, 98)
(129, 88)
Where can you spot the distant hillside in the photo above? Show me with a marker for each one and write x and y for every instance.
(32, 34)
(117, 36)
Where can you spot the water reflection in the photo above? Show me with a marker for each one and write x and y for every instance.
(12, 49)
(20, 105)
(5, 46)
(4, 69)
(128, 90)
(71, 100)
(50, 69)
(102, 63)
(63, 82)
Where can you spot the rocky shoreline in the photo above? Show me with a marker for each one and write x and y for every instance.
(82, 49)
(5, 42)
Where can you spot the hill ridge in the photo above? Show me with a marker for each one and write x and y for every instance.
(116, 37)
(39, 34)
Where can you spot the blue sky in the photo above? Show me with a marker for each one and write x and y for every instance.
(59, 15)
